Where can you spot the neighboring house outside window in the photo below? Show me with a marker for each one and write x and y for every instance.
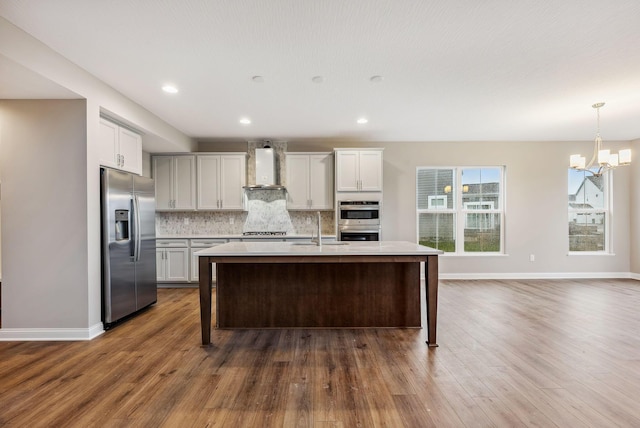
(461, 210)
(589, 212)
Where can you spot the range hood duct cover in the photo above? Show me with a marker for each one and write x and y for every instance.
(265, 170)
(265, 167)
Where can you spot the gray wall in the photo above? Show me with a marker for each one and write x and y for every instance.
(44, 206)
(634, 229)
(536, 204)
(158, 136)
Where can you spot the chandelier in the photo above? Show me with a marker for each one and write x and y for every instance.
(603, 159)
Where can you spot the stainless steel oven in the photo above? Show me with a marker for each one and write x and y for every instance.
(355, 233)
(358, 212)
(358, 220)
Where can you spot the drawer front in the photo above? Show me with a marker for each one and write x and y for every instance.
(172, 243)
(206, 243)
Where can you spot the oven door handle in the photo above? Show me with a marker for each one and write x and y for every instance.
(358, 208)
(351, 230)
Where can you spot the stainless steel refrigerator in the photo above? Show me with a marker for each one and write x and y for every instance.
(129, 281)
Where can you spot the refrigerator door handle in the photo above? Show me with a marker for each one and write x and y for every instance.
(137, 236)
(132, 230)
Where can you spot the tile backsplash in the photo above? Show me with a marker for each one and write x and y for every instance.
(267, 212)
(214, 223)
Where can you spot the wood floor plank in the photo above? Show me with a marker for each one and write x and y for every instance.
(512, 353)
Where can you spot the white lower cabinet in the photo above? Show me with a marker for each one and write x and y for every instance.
(200, 244)
(172, 260)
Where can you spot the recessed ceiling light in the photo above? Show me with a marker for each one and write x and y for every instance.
(245, 121)
(376, 79)
(170, 89)
(258, 79)
(317, 79)
(362, 121)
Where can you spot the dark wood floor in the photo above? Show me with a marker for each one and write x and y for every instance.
(512, 353)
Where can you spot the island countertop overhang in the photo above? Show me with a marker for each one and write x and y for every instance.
(371, 248)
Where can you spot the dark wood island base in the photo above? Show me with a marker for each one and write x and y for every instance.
(354, 291)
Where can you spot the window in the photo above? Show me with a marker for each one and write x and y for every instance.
(437, 202)
(461, 202)
(478, 220)
(589, 211)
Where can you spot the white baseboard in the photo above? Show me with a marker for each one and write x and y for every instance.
(50, 334)
(543, 275)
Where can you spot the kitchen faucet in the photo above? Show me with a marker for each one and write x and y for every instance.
(318, 240)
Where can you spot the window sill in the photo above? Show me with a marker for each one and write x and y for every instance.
(589, 253)
(475, 255)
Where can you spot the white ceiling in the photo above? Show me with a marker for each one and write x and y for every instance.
(463, 70)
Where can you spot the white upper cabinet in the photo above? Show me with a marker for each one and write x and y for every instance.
(109, 147)
(359, 170)
(120, 147)
(130, 151)
(175, 178)
(220, 179)
(208, 179)
(309, 181)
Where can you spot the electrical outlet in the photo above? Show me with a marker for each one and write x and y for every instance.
(532, 257)
(308, 220)
(186, 221)
(231, 220)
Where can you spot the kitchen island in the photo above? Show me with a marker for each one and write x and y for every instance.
(302, 285)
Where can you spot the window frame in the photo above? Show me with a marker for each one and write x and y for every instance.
(460, 210)
(606, 210)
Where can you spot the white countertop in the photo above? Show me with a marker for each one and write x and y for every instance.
(240, 236)
(388, 248)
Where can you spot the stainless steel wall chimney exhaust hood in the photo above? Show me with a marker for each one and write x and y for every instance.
(265, 171)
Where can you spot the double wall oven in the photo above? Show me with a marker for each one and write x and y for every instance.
(358, 220)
